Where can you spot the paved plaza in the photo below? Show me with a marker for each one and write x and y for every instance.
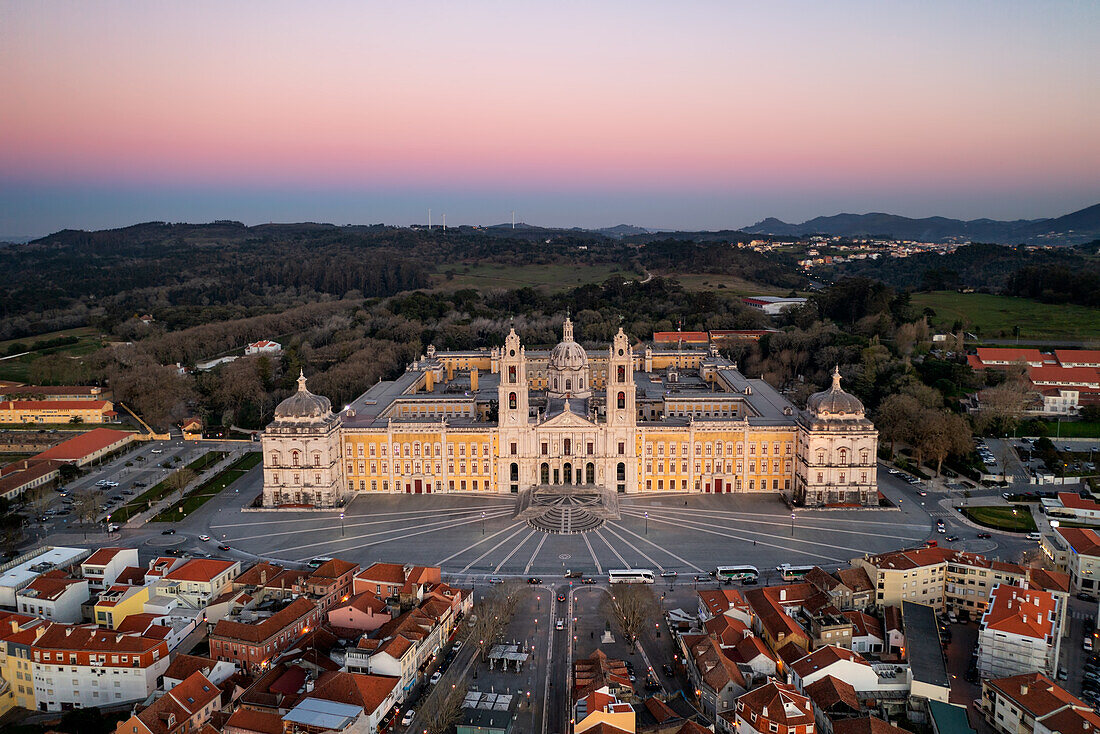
(480, 535)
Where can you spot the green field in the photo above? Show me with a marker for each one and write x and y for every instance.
(996, 317)
(1002, 518)
(209, 489)
(18, 368)
(554, 277)
(720, 281)
(1064, 429)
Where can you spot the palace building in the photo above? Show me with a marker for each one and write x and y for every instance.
(505, 420)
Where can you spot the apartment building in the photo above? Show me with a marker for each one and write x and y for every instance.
(1076, 551)
(184, 709)
(104, 566)
(1032, 702)
(85, 666)
(1019, 633)
(252, 642)
(53, 596)
(197, 581)
(776, 708)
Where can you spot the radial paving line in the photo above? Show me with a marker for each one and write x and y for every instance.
(513, 551)
(476, 560)
(592, 552)
(637, 550)
(527, 568)
(426, 511)
(612, 548)
(738, 515)
(350, 525)
(445, 525)
(671, 512)
(658, 547)
(774, 535)
(486, 539)
(681, 523)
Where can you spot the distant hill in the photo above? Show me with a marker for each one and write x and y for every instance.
(1074, 228)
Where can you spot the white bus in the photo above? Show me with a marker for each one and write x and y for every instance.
(630, 576)
(318, 562)
(744, 574)
(792, 573)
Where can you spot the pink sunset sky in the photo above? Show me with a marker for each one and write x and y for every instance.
(685, 114)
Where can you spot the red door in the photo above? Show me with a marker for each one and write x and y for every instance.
(418, 487)
(718, 486)
(408, 488)
(708, 488)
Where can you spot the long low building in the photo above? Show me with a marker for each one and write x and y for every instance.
(57, 411)
(506, 420)
(87, 447)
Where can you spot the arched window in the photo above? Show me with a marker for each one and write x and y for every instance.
(620, 472)
(567, 473)
(620, 401)
(511, 374)
(544, 473)
(295, 458)
(514, 472)
(843, 454)
(622, 373)
(511, 401)
(590, 473)
(568, 385)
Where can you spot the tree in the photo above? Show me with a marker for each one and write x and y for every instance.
(1003, 406)
(941, 434)
(630, 608)
(181, 478)
(37, 498)
(87, 506)
(443, 708)
(897, 420)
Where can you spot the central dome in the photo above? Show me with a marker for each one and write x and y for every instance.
(568, 355)
(304, 404)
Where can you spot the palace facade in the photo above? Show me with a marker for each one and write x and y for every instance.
(503, 420)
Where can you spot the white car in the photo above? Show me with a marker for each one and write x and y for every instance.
(559, 625)
(408, 717)
(435, 677)
(204, 537)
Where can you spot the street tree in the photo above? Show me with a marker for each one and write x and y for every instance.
(630, 608)
(443, 708)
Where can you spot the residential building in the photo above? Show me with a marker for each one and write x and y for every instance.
(1074, 507)
(198, 580)
(24, 569)
(430, 430)
(183, 709)
(17, 634)
(264, 346)
(87, 447)
(104, 566)
(363, 613)
(772, 305)
(355, 702)
(252, 642)
(184, 666)
(1076, 551)
(85, 666)
(15, 479)
(116, 603)
(1032, 702)
(600, 689)
(54, 596)
(776, 708)
(716, 677)
(1019, 633)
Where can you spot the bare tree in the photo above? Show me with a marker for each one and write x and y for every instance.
(181, 478)
(87, 505)
(941, 434)
(443, 708)
(630, 608)
(37, 498)
(1003, 406)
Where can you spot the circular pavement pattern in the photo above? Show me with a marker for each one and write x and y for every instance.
(478, 535)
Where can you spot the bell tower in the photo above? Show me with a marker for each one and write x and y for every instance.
(621, 410)
(513, 389)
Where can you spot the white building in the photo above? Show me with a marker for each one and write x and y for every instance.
(772, 709)
(198, 581)
(772, 305)
(29, 566)
(103, 567)
(264, 346)
(54, 596)
(1019, 633)
(1032, 702)
(80, 667)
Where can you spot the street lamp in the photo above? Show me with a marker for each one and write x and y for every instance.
(483, 523)
(792, 524)
(647, 523)
(341, 524)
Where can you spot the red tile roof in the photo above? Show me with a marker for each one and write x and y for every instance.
(386, 573)
(1025, 612)
(784, 704)
(831, 691)
(1064, 375)
(266, 628)
(56, 405)
(1090, 356)
(356, 689)
(102, 557)
(1008, 354)
(48, 587)
(259, 722)
(200, 569)
(85, 444)
(869, 725)
(1075, 501)
(1036, 694)
(823, 657)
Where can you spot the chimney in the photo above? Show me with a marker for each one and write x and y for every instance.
(263, 576)
(473, 379)
(1023, 689)
(309, 686)
(782, 597)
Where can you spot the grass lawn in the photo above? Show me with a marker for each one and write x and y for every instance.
(1002, 518)
(1069, 429)
(18, 368)
(720, 281)
(992, 316)
(162, 488)
(209, 489)
(554, 277)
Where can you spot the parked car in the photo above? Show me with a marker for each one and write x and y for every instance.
(985, 535)
(224, 547)
(496, 580)
(435, 677)
(169, 531)
(408, 717)
(204, 538)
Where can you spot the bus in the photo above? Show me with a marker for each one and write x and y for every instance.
(744, 574)
(793, 573)
(630, 576)
(318, 562)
